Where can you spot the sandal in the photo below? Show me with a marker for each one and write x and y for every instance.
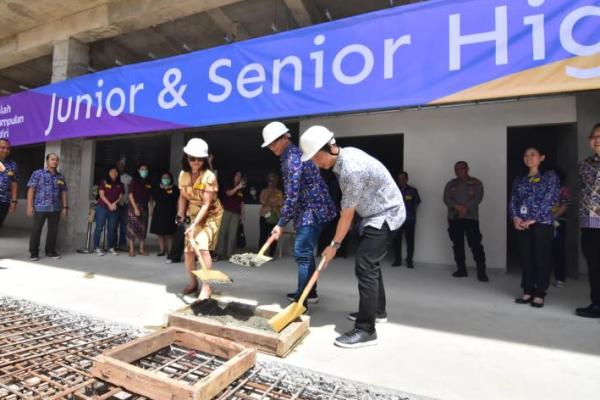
(537, 304)
(526, 299)
(190, 290)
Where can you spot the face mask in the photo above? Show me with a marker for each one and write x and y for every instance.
(165, 181)
(144, 173)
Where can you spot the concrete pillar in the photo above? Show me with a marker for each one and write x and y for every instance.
(70, 59)
(177, 144)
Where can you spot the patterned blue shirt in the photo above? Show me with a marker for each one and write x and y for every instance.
(307, 198)
(48, 188)
(533, 197)
(6, 179)
(411, 202)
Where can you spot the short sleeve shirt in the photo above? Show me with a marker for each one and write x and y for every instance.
(368, 187)
(7, 177)
(48, 188)
(141, 191)
(112, 190)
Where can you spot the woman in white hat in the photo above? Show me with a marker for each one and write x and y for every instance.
(199, 201)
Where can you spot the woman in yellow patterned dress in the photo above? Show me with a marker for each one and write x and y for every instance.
(199, 201)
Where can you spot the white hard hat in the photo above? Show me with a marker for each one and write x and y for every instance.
(313, 139)
(196, 148)
(273, 131)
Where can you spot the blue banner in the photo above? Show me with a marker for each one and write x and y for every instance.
(426, 53)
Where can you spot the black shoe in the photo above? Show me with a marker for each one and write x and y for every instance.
(54, 255)
(537, 305)
(397, 263)
(161, 254)
(409, 264)
(356, 338)
(482, 276)
(460, 273)
(313, 298)
(34, 257)
(591, 311)
(520, 300)
(381, 318)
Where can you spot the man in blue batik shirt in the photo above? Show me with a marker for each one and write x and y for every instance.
(8, 181)
(307, 202)
(46, 200)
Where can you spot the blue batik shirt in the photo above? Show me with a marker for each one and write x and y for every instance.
(6, 179)
(307, 198)
(411, 202)
(48, 188)
(534, 196)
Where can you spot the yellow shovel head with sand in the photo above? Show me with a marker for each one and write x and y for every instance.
(206, 275)
(251, 259)
(290, 313)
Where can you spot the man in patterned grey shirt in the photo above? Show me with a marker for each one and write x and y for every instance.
(368, 190)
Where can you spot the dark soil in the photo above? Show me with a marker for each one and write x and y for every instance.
(232, 313)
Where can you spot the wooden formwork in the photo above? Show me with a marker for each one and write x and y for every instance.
(278, 344)
(117, 365)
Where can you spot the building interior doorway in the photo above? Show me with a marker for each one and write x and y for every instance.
(559, 142)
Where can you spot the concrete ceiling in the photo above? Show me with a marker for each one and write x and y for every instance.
(130, 31)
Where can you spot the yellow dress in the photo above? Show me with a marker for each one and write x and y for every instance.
(207, 231)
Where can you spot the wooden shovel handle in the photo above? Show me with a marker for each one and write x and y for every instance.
(266, 246)
(312, 281)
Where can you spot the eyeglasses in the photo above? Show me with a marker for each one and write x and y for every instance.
(595, 137)
(193, 159)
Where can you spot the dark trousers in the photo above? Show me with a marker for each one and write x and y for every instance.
(3, 212)
(372, 248)
(457, 229)
(265, 232)
(559, 252)
(327, 236)
(407, 230)
(177, 245)
(122, 225)
(39, 218)
(534, 247)
(590, 246)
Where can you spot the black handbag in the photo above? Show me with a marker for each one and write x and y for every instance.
(241, 237)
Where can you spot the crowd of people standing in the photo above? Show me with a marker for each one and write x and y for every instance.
(206, 216)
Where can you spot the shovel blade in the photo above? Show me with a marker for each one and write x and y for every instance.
(279, 321)
(211, 276)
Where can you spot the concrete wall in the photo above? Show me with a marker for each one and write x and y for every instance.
(434, 139)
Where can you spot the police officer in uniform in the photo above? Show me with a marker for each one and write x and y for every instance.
(462, 196)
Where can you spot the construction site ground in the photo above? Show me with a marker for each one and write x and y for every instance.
(446, 338)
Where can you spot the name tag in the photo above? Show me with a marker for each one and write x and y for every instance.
(60, 182)
(199, 186)
(148, 186)
(524, 210)
(408, 198)
(170, 191)
(240, 194)
(10, 173)
(535, 180)
(107, 186)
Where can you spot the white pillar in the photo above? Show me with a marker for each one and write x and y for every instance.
(70, 59)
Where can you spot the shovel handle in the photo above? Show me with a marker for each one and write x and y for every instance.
(198, 254)
(312, 281)
(266, 246)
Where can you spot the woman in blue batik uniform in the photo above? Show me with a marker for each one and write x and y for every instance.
(531, 202)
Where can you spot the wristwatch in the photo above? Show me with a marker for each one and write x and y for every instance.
(335, 245)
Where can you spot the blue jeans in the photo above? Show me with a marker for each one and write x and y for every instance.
(104, 216)
(307, 238)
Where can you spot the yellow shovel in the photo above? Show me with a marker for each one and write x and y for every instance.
(296, 309)
(251, 259)
(206, 275)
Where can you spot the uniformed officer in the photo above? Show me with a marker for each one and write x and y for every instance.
(462, 196)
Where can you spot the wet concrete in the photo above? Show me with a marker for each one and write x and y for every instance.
(232, 313)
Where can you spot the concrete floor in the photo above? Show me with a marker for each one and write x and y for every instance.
(447, 338)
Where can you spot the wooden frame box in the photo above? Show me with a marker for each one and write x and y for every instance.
(279, 344)
(115, 365)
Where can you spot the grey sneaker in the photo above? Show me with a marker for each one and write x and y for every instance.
(168, 261)
(378, 318)
(356, 338)
(113, 251)
(34, 258)
(559, 284)
(98, 252)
